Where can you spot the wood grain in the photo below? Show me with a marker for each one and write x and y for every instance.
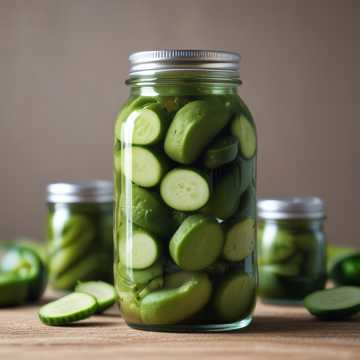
(276, 333)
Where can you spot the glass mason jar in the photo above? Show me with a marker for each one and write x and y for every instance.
(80, 232)
(185, 197)
(291, 248)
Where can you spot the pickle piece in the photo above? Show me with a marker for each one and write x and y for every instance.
(239, 240)
(103, 292)
(184, 189)
(247, 206)
(234, 298)
(85, 269)
(197, 243)
(140, 277)
(194, 126)
(225, 199)
(130, 106)
(222, 151)
(334, 304)
(150, 213)
(244, 130)
(145, 167)
(270, 284)
(141, 251)
(277, 249)
(70, 308)
(183, 295)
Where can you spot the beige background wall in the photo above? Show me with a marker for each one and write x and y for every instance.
(63, 63)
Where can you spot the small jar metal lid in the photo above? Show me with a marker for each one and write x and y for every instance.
(291, 208)
(99, 191)
(143, 62)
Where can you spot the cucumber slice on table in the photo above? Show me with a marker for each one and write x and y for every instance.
(141, 251)
(234, 297)
(103, 292)
(70, 308)
(197, 243)
(184, 189)
(145, 126)
(334, 304)
(145, 167)
(244, 130)
(194, 126)
(239, 240)
(222, 151)
(183, 295)
(149, 212)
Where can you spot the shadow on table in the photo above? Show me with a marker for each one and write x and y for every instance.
(310, 327)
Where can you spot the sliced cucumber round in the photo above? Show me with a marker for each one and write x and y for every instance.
(140, 277)
(145, 167)
(127, 110)
(222, 151)
(70, 308)
(145, 126)
(184, 189)
(194, 126)
(239, 240)
(103, 292)
(183, 295)
(334, 304)
(197, 243)
(235, 297)
(244, 130)
(140, 251)
(149, 212)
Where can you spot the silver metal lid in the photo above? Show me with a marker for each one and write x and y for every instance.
(291, 208)
(143, 62)
(98, 191)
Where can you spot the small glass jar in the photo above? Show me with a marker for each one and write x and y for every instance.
(79, 239)
(185, 196)
(291, 248)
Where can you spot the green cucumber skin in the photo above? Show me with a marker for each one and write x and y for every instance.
(222, 151)
(333, 314)
(194, 126)
(67, 319)
(158, 307)
(103, 304)
(231, 184)
(184, 239)
(131, 105)
(150, 213)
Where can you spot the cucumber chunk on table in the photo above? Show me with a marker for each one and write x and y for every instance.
(13, 290)
(244, 130)
(183, 295)
(145, 167)
(149, 212)
(234, 298)
(185, 189)
(103, 292)
(70, 308)
(194, 126)
(197, 243)
(140, 251)
(222, 151)
(239, 240)
(334, 304)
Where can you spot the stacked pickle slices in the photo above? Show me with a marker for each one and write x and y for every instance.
(79, 244)
(185, 209)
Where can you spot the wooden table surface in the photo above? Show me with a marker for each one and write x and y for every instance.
(276, 333)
